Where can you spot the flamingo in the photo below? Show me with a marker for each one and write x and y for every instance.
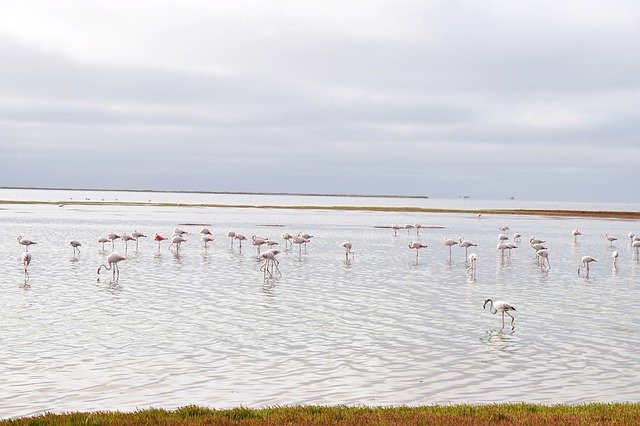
(306, 237)
(534, 240)
(157, 237)
(207, 238)
(113, 260)
(466, 244)
(502, 247)
(584, 263)
(258, 241)
(300, 241)
(536, 248)
(113, 236)
(450, 243)
(631, 236)
(205, 231)
(417, 226)
(231, 235)
(610, 238)
(511, 246)
(269, 257)
(501, 306)
(126, 238)
(415, 245)
(180, 232)
(347, 249)
(75, 244)
(502, 238)
(177, 240)
(575, 234)
(25, 242)
(395, 229)
(636, 247)
(25, 259)
(517, 237)
(271, 243)
(287, 237)
(137, 235)
(103, 241)
(544, 255)
(614, 256)
(473, 260)
(504, 229)
(408, 227)
(238, 236)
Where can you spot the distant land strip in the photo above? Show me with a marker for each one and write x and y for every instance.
(162, 191)
(626, 215)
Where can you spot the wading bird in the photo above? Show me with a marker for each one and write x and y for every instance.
(112, 261)
(287, 237)
(137, 235)
(240, 239)
(103, 241)
(415, 245)
(395, 228)
(504, 229)
(258, 241)
(501, 306)
(417, 226)
(25, 242)
(126, 238)
(473, 260)
(450, 243)
(466, 244)
(614, 256)
(300, 241)
(408, 227)
(270, 263)
(206, 239)
(636, 247)
(157, 237)
(113, 236)
(347, 250)
(177, 240)
(631, 235)
(517, 237)
(232, 236)
(610, 238)
(543, 256)
(180, 232)
(205, 231)
(25, 260)
(584, 263)
(75, 244)
(575, 234)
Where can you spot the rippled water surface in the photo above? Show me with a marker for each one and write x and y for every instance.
(203, 327)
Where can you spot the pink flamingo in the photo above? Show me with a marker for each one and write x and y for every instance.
(177, 240)
(240, 238)
(157, 237)
(449, 242)
(207, 238)
(126, 238)
(270, 262)
(113, 260)
(25, 242)
(113, 236)
(25, 259)
(137, 235)
(232, 235)
(300, 241)
(75, 244)
(415, 245)
(584, 263)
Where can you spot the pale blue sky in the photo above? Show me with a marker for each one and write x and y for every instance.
(491, 99)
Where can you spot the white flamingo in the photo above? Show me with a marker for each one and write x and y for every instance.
(112, 261)
(206, 239)
(103, 241)
(408, 227)
(113, 236)
(126, 238)
(287, 237)
(180, 232)
(614, 256)
(240, 237)
(544, 256)
(177, 240)
(501, 306)
(610, 238)
(232, 236)
(418, 227)
(258, 241)
(504, 229)
(466, 244)
(300, 241)
(517, 237)
(636, 247)
(205, 231)
(534, 240)
(631, 236)
(395, 228)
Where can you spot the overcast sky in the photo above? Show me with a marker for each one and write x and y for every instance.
(491, 99)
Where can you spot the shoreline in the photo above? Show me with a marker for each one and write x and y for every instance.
(593, 214)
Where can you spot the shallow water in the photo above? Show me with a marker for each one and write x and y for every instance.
(205, 328)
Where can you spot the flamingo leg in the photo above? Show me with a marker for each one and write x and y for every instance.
(512, 318)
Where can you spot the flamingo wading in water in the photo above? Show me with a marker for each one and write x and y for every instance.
(415, 245)
(347, 250)
(25, 260)
(501, 306)
(584, 263)
(25, 242)
(112, 261)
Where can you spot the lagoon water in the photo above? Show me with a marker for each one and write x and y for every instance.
(204, 327)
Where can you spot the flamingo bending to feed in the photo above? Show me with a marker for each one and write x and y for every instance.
(543, 255)
(347, 249)
(270, 262)
(206, 239)
(501, 306)
(177, 240)
(25, 259)
(112, 261)
(75, 244)
(575, 234)
(584, 263)
(473, 260)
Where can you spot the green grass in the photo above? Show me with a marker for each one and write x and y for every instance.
(497, 414)
(525, 212)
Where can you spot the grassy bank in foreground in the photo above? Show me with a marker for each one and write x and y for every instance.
(552, 213)
(524, 414)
